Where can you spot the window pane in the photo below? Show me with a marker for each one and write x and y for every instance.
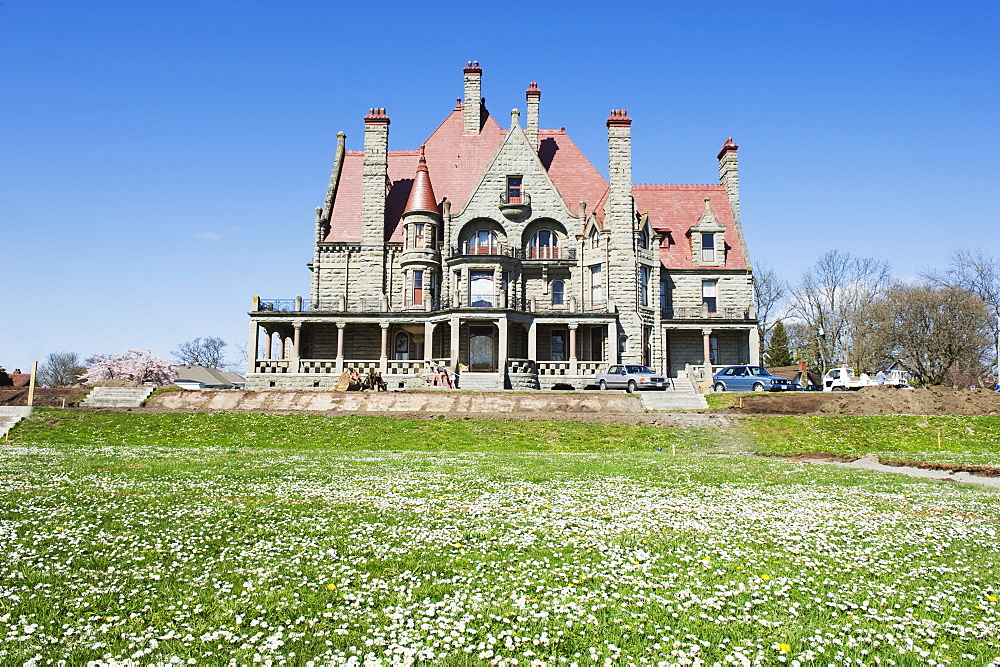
(481, 289)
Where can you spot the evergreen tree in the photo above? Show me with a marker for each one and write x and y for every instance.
(777, 352)
(5, 380)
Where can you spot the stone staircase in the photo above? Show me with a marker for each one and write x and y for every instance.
(480, 381)
(116, 397)
(10, 415)
(679, 396)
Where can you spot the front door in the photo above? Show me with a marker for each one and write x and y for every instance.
(481, 349)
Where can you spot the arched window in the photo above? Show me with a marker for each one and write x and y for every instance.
(483, 242)
(558, 293)
(402, 345)
(595, 239)
(544, 245)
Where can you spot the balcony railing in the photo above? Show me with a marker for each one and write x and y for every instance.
(548, 253)
(704, 314)
(372, 305)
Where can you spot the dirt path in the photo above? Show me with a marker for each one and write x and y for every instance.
(871, 462)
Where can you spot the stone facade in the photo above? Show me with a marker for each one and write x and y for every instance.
(505, 253)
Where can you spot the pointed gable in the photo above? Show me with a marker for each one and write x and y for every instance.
(674, 209)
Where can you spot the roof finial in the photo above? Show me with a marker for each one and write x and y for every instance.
(708, 206)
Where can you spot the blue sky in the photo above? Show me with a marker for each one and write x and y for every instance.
(160, 161)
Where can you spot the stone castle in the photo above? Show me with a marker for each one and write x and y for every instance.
(505, 253)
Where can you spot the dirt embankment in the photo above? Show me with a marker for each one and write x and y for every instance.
(45, 397)
(874, 401)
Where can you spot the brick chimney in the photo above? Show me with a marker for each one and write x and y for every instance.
(375, 178)
(473, 97)
(532, 96)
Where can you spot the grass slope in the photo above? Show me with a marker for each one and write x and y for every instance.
(943, 440)
(290, 539)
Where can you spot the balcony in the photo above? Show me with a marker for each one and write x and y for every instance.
(702, 313)
(515, 208)
(303, 306)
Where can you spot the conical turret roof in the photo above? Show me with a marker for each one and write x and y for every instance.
(422, 193)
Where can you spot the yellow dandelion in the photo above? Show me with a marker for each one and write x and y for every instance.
(765, 577)
(331, 587)
(784, 648)
(991, 598)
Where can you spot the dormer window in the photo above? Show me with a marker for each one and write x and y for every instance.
(643, 238)
(595, 239)
(514, 189)
(708, 248)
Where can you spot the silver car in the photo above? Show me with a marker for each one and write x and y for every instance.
(631, 378)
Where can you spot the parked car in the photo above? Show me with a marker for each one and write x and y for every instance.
(631, 378)
(750, 378)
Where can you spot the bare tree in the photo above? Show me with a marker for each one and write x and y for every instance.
(830, 299)
(934, 332)
(207, 352)
(769, 293)
(979, 273)
(60, 369)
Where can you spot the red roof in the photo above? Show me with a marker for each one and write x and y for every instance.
(673, 209)
(21, 379)
(573, 174)
(421, 192)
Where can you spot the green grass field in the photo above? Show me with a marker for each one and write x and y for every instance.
(299, 540)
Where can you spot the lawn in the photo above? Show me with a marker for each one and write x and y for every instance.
(301, 540)
(946, 439)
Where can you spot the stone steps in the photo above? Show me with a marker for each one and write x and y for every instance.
(116, 397)
(480, 381)
(10, 415)
(682, 397)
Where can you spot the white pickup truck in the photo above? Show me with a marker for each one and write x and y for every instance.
(844, 379)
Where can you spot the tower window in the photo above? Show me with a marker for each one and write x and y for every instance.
(418, 235)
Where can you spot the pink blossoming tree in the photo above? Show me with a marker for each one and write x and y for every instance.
(135, 365)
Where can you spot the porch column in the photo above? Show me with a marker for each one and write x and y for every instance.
(383, 359)
(270, 341)
(572, 349)
(533, 341)
(281, 345)
(611, 343)
(429, 340)
(340, 346)
(253, 347)
(502, 346)
(754, 334)
(455, 328)
(706, 334)
(295, 367)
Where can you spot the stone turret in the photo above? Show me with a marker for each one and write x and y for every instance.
(473, 97)
(421, 259)
(729, 175)
(375, 178)
(532, 96)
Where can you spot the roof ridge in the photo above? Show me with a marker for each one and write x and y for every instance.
(678, 185)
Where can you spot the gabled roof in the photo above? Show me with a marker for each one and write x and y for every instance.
(674, 209)
(572, 173)
(209, 377)
(456, 162)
